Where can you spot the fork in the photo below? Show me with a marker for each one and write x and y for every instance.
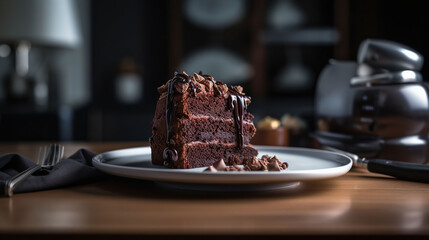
(48, 157)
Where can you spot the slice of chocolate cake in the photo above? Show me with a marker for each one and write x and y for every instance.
(198, 121)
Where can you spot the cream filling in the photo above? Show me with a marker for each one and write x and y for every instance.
(234, 144)
(201, 116)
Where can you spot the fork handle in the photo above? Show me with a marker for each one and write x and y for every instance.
(15, 180)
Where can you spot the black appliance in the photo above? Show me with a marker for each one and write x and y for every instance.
(376, 107)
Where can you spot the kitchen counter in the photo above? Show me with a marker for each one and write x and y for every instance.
(357, 204)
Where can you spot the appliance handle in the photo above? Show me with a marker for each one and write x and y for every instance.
(401, 170)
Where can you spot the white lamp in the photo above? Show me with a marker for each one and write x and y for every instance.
(48, 23)
(41, 22)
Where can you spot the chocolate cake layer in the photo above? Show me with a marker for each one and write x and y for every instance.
(207, 129)
(199, 121)
(202, 104)
(200, 154)
(208, 105)
(196, 126)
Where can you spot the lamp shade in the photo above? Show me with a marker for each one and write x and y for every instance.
(52, 23)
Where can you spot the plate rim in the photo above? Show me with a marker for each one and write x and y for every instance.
(216, 177)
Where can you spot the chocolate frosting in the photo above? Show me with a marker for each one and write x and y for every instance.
(210, 78)
(202, 84)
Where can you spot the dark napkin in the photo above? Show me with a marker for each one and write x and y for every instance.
(76, 169)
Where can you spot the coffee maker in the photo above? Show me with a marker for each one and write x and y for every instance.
(377, 107)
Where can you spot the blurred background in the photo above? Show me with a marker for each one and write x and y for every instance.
(87, 70)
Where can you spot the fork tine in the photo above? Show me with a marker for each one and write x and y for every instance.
(39, 156)
(52, 148)
(49, 155)
(61, 153)
(57, 154)
(45, 156)
(54, 156)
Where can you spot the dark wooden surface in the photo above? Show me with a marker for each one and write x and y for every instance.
(355, 205)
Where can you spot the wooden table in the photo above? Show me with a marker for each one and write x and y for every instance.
(357, 204)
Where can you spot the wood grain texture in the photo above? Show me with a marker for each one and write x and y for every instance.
(359, 203)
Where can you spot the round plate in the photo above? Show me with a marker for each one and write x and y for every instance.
(304, 164)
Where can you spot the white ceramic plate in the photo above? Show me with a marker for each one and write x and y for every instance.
(304, 164)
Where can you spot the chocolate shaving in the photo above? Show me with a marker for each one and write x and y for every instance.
(237, 90)
(184, 78)
(273, 166)
(211, 169)
(234, 168)
(219, 165)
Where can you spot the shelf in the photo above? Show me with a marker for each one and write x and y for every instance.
(304, 36)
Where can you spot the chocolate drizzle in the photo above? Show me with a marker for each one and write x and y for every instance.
(238, 104)
(170, 154)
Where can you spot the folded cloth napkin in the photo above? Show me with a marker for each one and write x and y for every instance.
(76, 169)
